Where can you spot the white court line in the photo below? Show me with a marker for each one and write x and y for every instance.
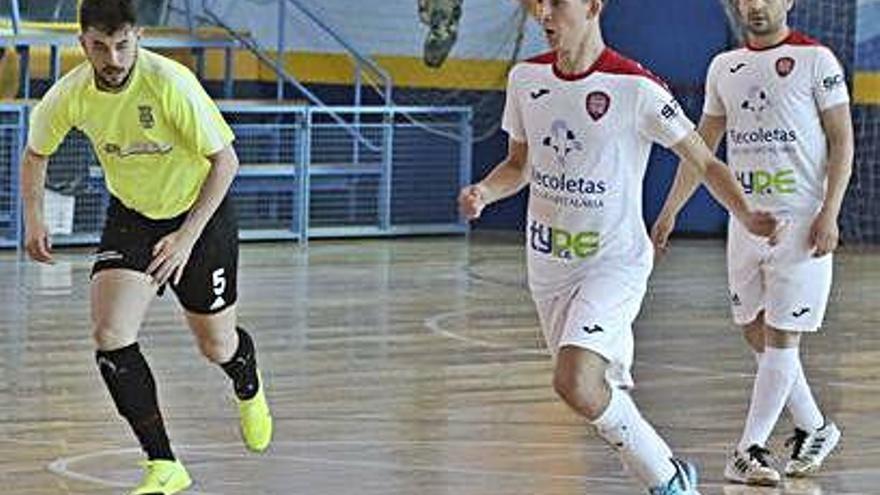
(434, 324)
(62, 466)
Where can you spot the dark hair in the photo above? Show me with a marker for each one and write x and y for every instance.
(107, 16)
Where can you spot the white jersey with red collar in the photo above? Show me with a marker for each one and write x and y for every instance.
(772, 99)
(589, 137)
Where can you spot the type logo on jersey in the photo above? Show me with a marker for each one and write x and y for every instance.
(562, 140)
(561, 243)
(765, 183)
(598, 104)
(785, 66)
(145, 115)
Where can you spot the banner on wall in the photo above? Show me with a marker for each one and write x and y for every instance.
(867, 66)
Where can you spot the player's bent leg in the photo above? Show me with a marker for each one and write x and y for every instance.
(580, 380)
(215, 333)
(232, 347)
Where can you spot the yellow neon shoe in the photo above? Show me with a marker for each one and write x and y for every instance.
(255, 419)
(163, 477)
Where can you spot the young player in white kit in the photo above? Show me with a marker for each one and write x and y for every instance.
(581, 122)
(782, 101)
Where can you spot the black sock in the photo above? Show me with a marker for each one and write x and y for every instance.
(242, 368)
(133, 389)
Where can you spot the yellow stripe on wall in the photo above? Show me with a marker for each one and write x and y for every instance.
(334, 68)
(310, 67)
(867, 88)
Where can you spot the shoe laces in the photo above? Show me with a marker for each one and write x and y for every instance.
(798, 439)
(760, 454)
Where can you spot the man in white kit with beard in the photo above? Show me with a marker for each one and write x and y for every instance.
(782, 102)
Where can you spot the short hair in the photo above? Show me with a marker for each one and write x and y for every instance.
(107, 16)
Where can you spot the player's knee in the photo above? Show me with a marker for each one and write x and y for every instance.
(109, 337)
(781, 339)
(753, 333)
(583, 391)
(754, 338)
(217, 347)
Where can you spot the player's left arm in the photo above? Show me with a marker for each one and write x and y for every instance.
(201, 123)
(837, 123)
(171, 253)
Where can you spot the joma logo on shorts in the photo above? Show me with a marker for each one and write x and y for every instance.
(763, 182)
(562, 243)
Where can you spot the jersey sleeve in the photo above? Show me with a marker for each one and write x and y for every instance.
(829, 82)
(660, 117)
(50, 122)
(197, 116)
(512, 121)
(713, 105)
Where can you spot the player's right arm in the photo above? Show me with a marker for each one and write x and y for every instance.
(33, 187)
(723, 185)
(511, 175)
(506, 179)
(711, 130)
(49, 123)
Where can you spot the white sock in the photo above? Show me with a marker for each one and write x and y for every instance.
(640, 448)
(777, 373)
(801, 404)
(803, 408)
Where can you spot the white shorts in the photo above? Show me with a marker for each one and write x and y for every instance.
(785, 281)
(596, 314)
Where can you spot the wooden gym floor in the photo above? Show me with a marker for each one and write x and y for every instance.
(414, 367)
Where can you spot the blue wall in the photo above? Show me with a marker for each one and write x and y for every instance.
(676, 47)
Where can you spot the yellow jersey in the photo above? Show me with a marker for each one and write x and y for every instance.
(152, 138)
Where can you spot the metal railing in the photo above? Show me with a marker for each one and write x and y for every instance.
(298, 177)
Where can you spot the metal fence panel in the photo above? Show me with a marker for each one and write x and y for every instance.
(12, 129)
(338, 171)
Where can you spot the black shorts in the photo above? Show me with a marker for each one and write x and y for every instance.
(209, 281)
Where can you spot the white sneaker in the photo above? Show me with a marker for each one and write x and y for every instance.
(810, 450)
(752, 467)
